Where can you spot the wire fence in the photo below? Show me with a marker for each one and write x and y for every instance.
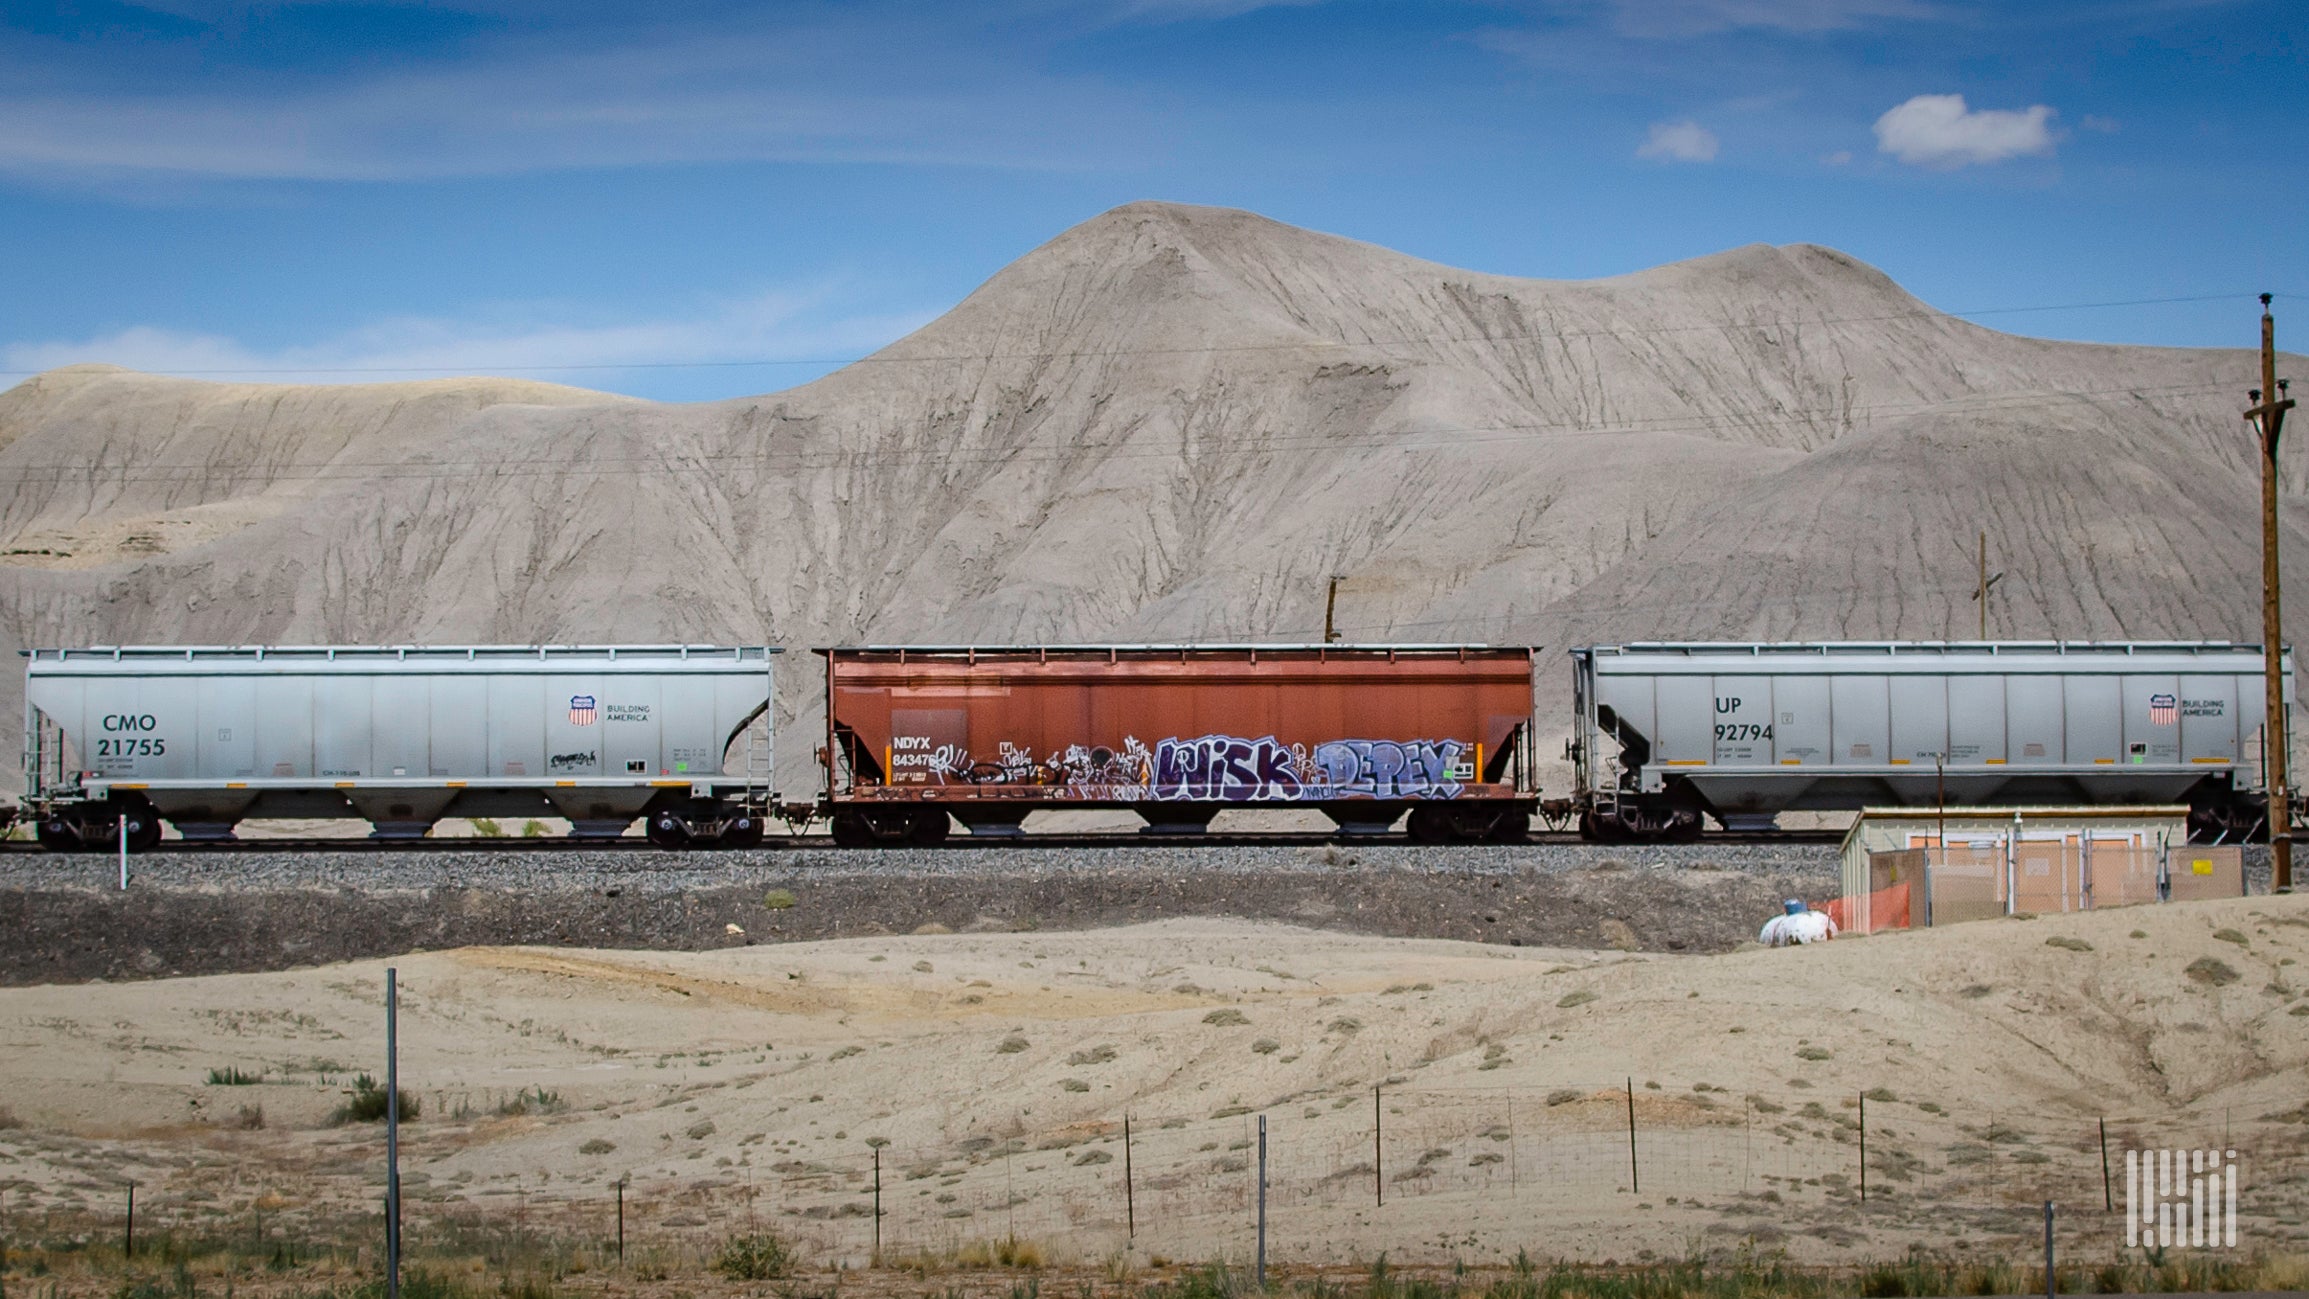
(1416, 1172)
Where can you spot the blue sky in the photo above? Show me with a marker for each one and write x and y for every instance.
(664, 199)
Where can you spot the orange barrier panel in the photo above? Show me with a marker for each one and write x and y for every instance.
(1869, 913)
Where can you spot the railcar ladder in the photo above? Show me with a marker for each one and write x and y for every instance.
(759, 771)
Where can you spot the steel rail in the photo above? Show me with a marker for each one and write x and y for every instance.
(956, 843)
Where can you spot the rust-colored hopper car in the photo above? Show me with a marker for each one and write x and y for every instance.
(1178, 733)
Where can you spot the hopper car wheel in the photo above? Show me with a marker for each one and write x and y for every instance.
(2233, 820)
(143, 829)
(930, 827)
(1430, 824)
(57, 834)
(667, 830)
(851, 831)
(1511, 827)
(743, 830)
(1659, 823)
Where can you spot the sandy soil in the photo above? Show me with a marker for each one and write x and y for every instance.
(994, 1072)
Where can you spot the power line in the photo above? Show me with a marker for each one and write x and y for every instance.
(879, 358)
(1035, 452)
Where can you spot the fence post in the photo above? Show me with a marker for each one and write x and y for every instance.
(2108, 1193)
(877, 1206)
(2048, 1272)
(1262, 1201)
(1635, 1186)
(1129, 1194)
(1863, 1147)
(392, 1136)
(1378, 1167)
(621, 1219)
(128, 1237)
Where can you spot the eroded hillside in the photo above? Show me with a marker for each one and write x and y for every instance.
(1174, 422)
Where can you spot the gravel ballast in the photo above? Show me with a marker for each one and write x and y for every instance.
(209, 913)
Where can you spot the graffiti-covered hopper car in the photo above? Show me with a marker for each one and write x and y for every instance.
(1363, 734)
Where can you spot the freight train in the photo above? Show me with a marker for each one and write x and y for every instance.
(1437, 738)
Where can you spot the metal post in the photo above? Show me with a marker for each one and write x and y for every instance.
(1378, 1169)
(1635, 1186)
(2270, 405)
(1129, 1193)
(392, 1135)
(877, 1206)
(128, 1238)
(2049, 1288)
(1940, 787)
(124, 852)
(1863, 1147)
(2011, 865)
(1262, 1201)
(621, 1220)
(2108, 1193)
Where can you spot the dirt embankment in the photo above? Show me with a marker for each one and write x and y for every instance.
(213, 915)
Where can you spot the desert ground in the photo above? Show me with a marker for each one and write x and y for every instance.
(989, 1077)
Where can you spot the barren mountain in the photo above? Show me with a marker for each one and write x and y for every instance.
(1174, 423)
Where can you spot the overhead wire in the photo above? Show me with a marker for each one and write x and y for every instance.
(1033, 451)
(1053, 354)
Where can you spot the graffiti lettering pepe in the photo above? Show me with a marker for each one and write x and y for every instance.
(1389, 769)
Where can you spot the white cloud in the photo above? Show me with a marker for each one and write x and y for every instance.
(1671, 19)
(1679, 142)
(786, 327)
(1939, 131)
(763, 89)
(1187, 10)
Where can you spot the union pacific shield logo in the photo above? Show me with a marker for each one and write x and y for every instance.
(581, 710)
(2164, 710)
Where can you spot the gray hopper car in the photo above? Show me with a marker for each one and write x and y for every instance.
(1666, 734)
(118, 739)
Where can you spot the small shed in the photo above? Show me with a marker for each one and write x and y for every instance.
(1900, 870)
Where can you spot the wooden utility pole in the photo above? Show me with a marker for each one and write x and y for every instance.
(1331, 608)
(1987, 580)
(2269, 406)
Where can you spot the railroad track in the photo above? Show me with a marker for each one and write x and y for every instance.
(779, 843)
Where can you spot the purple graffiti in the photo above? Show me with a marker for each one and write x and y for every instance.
(1388, 769)
(1218, 769)
(1224, 768)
